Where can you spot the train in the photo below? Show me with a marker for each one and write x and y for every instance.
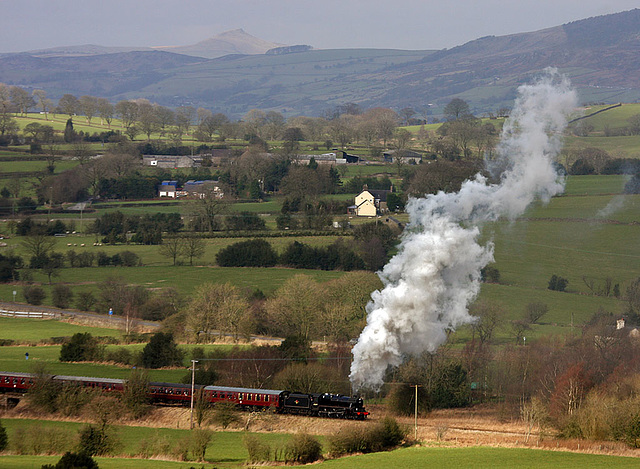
(278, 401)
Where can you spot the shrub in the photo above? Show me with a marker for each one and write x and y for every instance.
(4, 439)
(198, 442)
(303, 449)
(33, 294)
(224, 414)
(85, 301)
(136, 394)
(37, 439)
(95, 441)
(251, 253)
(258, 450)
(161, 351)
(557, 283)
(74, 461)
(82, 347)
(120, 355)
(61, 296)
(72, 399)
(382, 436)
(44, 392)
(129, 259)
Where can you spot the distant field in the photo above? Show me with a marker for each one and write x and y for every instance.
(34, 330)
(13, 359)
(183, 278)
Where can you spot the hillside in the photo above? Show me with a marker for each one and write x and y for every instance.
(600, 55)
(236, 41)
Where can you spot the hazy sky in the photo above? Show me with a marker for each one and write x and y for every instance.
(404, 24)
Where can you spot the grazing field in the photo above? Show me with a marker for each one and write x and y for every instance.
(479, 458)
(13, 359)
(35, 330)
(225, 450)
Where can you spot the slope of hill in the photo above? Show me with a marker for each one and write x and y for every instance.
(236, 41)
(601, 56)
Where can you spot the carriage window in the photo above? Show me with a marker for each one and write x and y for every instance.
(15, 380)
(22, 381)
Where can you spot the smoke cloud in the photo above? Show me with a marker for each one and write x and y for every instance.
(429, 284)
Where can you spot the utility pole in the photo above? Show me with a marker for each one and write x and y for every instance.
(415, 423)
(193, 385)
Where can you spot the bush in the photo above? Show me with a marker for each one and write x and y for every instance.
(161, 351)
(258, 450)
(224, 414)
(37, 439)
(74, 461)
(4, 439)
(302, 449)
(85, 301)
(136, 394)
(382, 436)
(557, 283)
(44, 393)
(198, 442)
(81, 347)
(33, 294)
(61, 296)
(95, 441)
(120, 355)
(251, 253)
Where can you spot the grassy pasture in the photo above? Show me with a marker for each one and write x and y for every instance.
(226, 448)
(34, 330)
(478, 458)
(13, 359)
(184, 278)
(614, 118)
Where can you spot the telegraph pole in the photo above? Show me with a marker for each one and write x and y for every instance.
(193, 385)
(415, 423)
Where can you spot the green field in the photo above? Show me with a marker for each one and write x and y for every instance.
(226, 448)
(13, 359)
(35, 330)
(479, 458)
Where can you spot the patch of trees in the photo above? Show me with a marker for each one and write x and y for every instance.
(250, 253)
(441, 175)
(260, 253)
(147, 229)
(132, 186)
(337, 256)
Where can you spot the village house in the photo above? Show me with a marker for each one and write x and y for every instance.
(191, 188)
(369, 203)
(404, 156)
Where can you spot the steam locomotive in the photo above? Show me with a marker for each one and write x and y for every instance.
(279, 401)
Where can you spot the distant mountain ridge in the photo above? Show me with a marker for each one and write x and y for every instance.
(601, 55)
(236, 41)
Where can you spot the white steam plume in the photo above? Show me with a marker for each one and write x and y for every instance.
(429, 284)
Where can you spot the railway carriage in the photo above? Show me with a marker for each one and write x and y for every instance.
(280, 401)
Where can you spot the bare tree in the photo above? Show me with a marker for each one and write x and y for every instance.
(172, 248)
(39, 245)
(194, 247)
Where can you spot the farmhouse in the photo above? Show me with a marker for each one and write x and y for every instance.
(191, 188)
(404, 156)
(369, 203)
(200, 189)
(168, 189)
(324, 159)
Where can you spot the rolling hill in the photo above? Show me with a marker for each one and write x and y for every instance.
(601, 55)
